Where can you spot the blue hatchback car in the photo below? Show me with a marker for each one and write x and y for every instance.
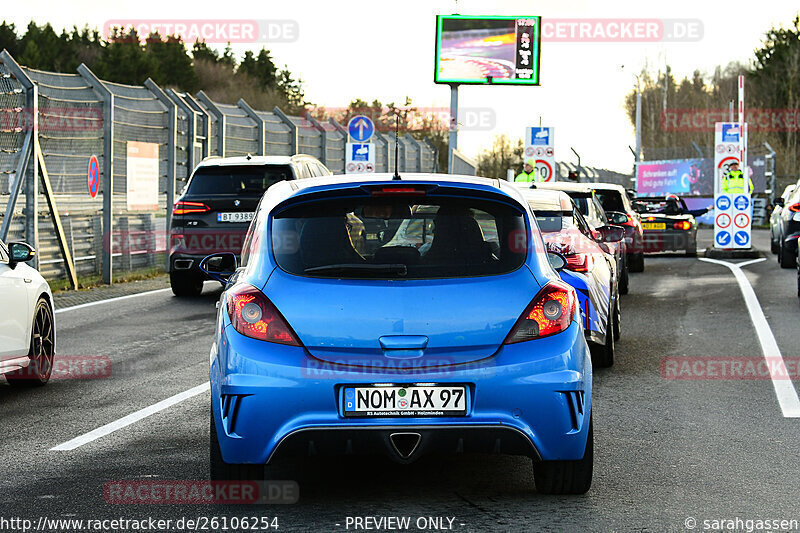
(412, 316)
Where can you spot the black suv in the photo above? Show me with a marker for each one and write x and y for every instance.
(216, 207)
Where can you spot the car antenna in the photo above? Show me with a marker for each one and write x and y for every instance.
(396, 146)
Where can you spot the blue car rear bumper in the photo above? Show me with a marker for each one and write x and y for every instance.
(531, 398)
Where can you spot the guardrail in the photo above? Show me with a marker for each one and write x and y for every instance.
(68, 117)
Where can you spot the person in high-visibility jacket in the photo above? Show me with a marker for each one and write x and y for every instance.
(734, 181)
(528, 173)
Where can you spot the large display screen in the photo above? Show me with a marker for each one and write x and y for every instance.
(487, 50)
(679, 176)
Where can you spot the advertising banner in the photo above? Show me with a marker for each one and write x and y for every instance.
(675, 176)
(142, 176)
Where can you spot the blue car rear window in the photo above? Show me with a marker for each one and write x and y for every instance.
(401, 238)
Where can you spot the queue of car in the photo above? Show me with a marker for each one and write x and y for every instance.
(402, 315)
(785, 229)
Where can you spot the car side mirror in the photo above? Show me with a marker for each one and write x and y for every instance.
(611, 233)
(219, 266)
(557, 261)
(616, 218)
(779, 202)
(19, 252)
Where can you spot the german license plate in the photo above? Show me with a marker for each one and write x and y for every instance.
(654, 225)
(411, 400)
(234, 217)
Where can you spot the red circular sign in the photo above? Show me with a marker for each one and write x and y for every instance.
(723, 220)
(741, 220)
(93, 176)
(548, 170)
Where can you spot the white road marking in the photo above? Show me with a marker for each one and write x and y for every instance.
(132, 418)
(751, 262)
(784, 388)
(109, 300)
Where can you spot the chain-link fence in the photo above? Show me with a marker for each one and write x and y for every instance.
(53, 124)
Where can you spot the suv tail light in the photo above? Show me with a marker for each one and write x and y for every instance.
(794, 208)
(185, 208)
(550, 312)
(254, 316)
(579, 262)
(683, 224)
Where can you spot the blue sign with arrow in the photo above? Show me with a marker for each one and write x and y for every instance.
(723, 238)
(742, 238)
(360, 128)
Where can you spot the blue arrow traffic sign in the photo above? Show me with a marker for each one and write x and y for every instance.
(742, 238)
(360, 128)
(741, 202)
(723, 203)
(723, 238)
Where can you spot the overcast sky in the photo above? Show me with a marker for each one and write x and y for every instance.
(380, 49)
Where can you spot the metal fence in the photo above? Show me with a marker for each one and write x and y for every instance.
(52, 123)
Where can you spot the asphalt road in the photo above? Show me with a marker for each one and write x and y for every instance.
(665, 450)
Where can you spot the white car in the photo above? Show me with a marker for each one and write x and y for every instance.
(27, 327)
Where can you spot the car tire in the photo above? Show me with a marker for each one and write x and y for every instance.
(603, 354)
(773, 246)
(636, 262)
(220, 470)
(785, 259)
(41, 352)
(566, 477)
(691, 250)
(624, 280)
(617, 320)
(185, 284)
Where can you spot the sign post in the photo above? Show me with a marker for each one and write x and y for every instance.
(359, 152)
(539, 145)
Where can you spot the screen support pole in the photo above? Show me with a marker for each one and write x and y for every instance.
(453, 140)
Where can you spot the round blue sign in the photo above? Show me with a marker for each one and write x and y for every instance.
(741, 202)
(94, 176)
(360, 128)
(723, 203)
(742, 238)
(723, 238)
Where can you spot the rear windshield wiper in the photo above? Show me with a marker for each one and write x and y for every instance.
(397, 269)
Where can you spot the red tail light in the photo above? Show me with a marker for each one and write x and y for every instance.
(683, 224)
(550, 312)
(186, 208)
(630, 222)
(253, 315)
(402, 191)
(794, 208)
(579, 262)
